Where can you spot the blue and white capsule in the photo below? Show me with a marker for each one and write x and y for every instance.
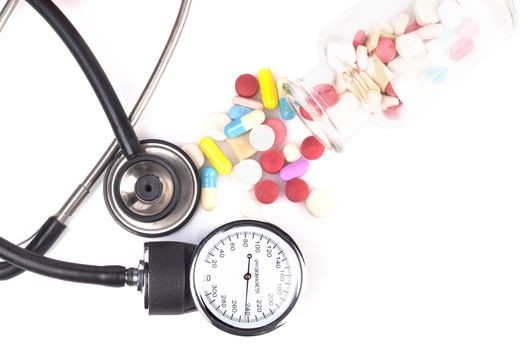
(244, 124)
(209, 188)
(237, 112)
(286, 110)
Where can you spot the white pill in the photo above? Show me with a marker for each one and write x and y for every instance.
(451, 14)
(239, 185)
(340, 83)
(248, 173)
(386, 28)
(407, 87)
(410, 45)
(215, 126)
(262, 138)
(373, 103)
(427, 12)
(250, 208)
(431, 31)
(400, 23)
(437, 52)
(321, 203)
(195, 154)
(362, 57)
(388, 102)
(292, 152)
(410, 66)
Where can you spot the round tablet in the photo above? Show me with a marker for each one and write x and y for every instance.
(215, 126)
(292, 153)
(297, 190)
(262, 138)
(267, 192)
(311, 148)
(195, 153)
(250, 208)
(248, 172)
(247, 85)
(321, 203)
(272, 161)
(279, 129)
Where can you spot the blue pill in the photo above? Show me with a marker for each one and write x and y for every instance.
(437, 75)
(237, 112)
(287, 112)
(208, 177)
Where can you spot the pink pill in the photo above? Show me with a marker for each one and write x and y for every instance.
(327, 94)
(412, 27)
(390, 90)
(279, 129)
(386, 50)
(248, 103)
(360, 38)
(294, 170)
(461, 48)
(394, 113)
(468, 29)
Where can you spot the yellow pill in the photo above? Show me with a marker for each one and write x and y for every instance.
(268, 89)
(220, 162)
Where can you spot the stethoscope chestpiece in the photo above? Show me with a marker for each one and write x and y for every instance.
(155, 193)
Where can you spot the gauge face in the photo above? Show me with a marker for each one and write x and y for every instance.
(246, 277)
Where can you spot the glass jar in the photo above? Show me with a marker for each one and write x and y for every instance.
(383, 61)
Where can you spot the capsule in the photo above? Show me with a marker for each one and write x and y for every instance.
(269, 93)
(286, 110)
(209, 188)
(220, 162)
(237, 112)
(294, 170)
(242, 125)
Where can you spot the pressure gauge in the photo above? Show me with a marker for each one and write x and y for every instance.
(246, 277)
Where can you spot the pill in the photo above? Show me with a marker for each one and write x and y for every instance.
(469, 28)
(389, 101)
(390, 90)
(195, 153)
(426, 11)
(400, 23)
(305, 114)
(262, 138)
(412, 27)
(237, 112)
(362, 57)
(294, 170)
(321, 203)
(437, 52)
(248, 103)
(272, 161)
(451, 14)
(359, 38)
(385, 28)
(379, 72)
(297, 190)
(431, 31)
(268, 89)
(247, 173)
(292, 152)
(250, 209)
(285, 108)
(267, 192)
(311, 148)
(372, 40)
(461, 48)
(373, 103)
(340, 83)
(239, 185)
(209, 188)
(395, 112)
(437, 74)
(410, 45)
(326, 94)
(241, 147)
(279, 129)
(244, 124)
(413, 66)
(215, 126)
(407, 87)
(246, 85)
(385, 50)
(217, 158)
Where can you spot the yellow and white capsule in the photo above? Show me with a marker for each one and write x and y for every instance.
(217, 158)
(209, 188)
(268, 88)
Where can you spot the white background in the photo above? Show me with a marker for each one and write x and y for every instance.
(426, 250)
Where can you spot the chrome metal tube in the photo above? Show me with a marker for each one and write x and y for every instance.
(6, 12)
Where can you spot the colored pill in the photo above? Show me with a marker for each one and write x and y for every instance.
(267, 192)
(412, 27)
(359, 38)
(237, 112)
(294, 170)
(209, 188)
(272, 161)
(248, 103)
(437, 74)
(195, 153)
(461, 48)
(386, 50)
(327, 95)
(312, 149)
(268, 89)
(244, 124)
(218, 159)
(262, 138)
(246, 85)
(285, 109)
(279, 129)
(297, 190)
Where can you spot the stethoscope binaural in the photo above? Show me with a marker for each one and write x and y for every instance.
(245, 277)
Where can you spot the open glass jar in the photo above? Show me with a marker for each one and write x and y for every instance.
(383, 61)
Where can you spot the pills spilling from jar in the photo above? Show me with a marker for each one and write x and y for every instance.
(267, 164)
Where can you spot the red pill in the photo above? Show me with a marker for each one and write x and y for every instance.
(412, 27)
(394, 113)
(390, 90)
(305, 114)
(247, 85)
(359, 39)
(327, 94)
(279, 129)
(272, 161)
(266, 192)
(386, 50)
(311, 148)
(297, 190)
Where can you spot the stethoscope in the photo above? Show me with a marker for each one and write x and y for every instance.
(245, 277)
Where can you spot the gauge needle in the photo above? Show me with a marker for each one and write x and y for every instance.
(247, 277)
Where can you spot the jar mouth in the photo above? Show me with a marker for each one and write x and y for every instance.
(513, 13)
(319, 123)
